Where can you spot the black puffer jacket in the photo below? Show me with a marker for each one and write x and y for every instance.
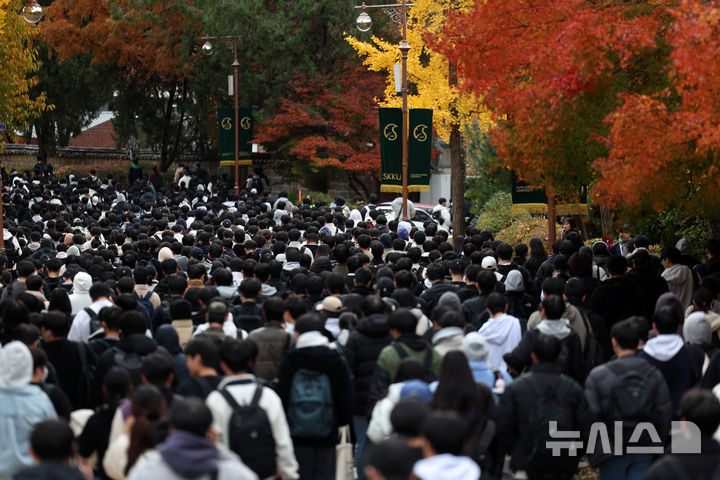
(362, 351)
(136, 343)
(515, 412)
(330, 362)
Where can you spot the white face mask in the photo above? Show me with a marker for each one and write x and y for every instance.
(290, 328)
(45, 374)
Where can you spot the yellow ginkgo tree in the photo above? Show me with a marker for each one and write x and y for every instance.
(19, 62)
(430, 74)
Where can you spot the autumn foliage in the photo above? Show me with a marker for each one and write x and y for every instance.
(666, 145)
(19, 64)
(321, 125)
(549, 72)
(619, 95)
(428, 69)
(144, 38)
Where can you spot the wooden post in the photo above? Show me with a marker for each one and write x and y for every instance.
(457, 180)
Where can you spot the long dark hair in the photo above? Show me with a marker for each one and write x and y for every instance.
(148, 406)
(537, 250)
(456, 389)
(117, 385)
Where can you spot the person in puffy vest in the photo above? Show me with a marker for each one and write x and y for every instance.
(313, 371)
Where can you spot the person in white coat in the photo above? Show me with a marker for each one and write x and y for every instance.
(408, 383)
(236, 359)
(443, 213)
(80, 297)
(502, 331)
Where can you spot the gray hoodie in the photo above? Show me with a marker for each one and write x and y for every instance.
(680, 282)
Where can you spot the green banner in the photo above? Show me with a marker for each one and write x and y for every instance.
(391, 149)
(419, 149)
(534, 200)
(226, 134)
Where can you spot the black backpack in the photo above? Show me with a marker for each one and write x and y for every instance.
(95, 326)
(550, 405)
(633, 396)
(250, 433)
(593, 351)
(85, 394)
(130, 361)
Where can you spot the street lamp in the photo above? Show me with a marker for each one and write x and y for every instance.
(207, 49)
(32, 12)
(364, 22)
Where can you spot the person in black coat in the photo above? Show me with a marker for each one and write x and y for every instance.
(436, 274)
(316, 456)
(649, 283)
(518, 405)
(361, 351)
(474, 308)
(51, 445)
(363, 347)
(132, 347)
(67, 357)
(135, 172)
(618, 297)
(571, 360)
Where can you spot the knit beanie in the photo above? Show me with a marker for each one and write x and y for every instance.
(696, 329)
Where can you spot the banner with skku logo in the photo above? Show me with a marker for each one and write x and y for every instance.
(419, 149)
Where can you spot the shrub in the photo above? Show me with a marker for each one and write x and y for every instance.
(521, 230)
(497, 215)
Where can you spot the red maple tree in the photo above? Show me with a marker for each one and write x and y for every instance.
(326, 123)
(550, 71)
(664, 148)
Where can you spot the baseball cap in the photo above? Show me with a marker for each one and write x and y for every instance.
(489, 263)
(416, 389)
(330, 305)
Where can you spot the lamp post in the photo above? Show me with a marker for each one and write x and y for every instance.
(32, 12)
(207, 49)
(364, 22)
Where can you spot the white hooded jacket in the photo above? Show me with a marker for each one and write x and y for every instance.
(502, 334)
(80, 298)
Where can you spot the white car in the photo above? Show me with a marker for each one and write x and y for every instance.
(419, 213)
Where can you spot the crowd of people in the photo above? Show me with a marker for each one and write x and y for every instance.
(188, 333)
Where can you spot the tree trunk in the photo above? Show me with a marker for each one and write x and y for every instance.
(178, 135)
(166, 128)
(714, 226)
(552, 231)
(457, 181)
